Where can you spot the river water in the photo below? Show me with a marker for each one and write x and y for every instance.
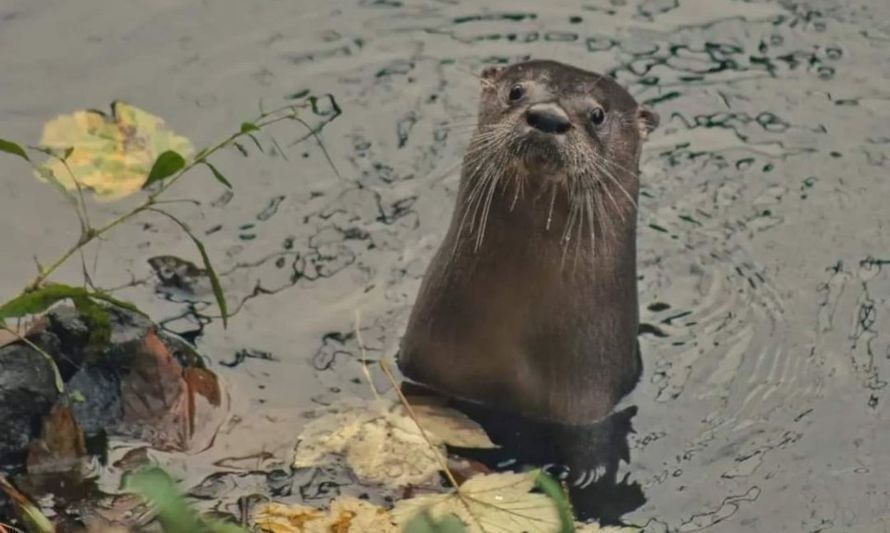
(764, 242)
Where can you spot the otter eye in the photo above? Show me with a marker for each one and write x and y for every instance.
(597, 115)
(516, 92)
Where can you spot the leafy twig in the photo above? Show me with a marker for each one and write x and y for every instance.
(289, 112)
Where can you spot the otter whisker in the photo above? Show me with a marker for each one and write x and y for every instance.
(603, 171)
(497, 174)
(578, 239)
(588, 202)
(515, 197)
(486, 176)
(608, 232)
(607, 166)
(554, 187)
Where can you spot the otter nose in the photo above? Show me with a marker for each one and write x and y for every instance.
(549, 118)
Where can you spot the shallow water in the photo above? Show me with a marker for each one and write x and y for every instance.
(764, 249)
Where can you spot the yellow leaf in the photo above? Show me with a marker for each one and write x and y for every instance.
(112, 154)
(382, 443)
(346, 515)
(487, 504)
(452, 427)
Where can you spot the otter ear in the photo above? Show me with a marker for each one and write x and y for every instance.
(489, 74)
(647, 121)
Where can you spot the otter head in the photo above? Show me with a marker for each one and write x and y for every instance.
(561, 119)
(546, 126)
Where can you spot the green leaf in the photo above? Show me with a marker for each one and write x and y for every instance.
(424, 523)
(211, 273)
(554, 491)
(68, 152)
(105, 297)
(214, 280)
(157, 487)
(240, 148)
(165, 165)
(174, 514)
(256, 142)
(39, 300)
(218, 175)
(247, 127)
(12, 148)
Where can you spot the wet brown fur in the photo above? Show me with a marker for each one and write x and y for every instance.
(530, 303)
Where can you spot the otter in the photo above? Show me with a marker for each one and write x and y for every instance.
(529, 306)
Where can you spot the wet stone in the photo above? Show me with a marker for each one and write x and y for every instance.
(27, 391)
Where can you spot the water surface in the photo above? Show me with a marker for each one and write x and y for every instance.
(764, 254)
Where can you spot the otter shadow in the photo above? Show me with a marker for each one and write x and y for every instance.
(586, 457)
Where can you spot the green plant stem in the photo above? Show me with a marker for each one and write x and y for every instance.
(281, 114)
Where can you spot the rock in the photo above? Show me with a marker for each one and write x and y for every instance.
(143, 383)
(27, 392)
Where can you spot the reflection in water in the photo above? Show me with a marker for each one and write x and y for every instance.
(762, 234)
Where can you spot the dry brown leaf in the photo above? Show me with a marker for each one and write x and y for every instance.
(200, 381)
(154, 396)
(346, 515)
(489, 503)
(60, 448)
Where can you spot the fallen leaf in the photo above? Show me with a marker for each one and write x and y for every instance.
(382, 443)
(281, 518)
(60, 448)
(133, 459)
(488, 503)
(155, 396)
(201, 381)
(112, 154)
(452, 427)
(346, 515)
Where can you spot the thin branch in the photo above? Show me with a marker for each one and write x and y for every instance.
(361, 346)
(442, 463)
(281, 114)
